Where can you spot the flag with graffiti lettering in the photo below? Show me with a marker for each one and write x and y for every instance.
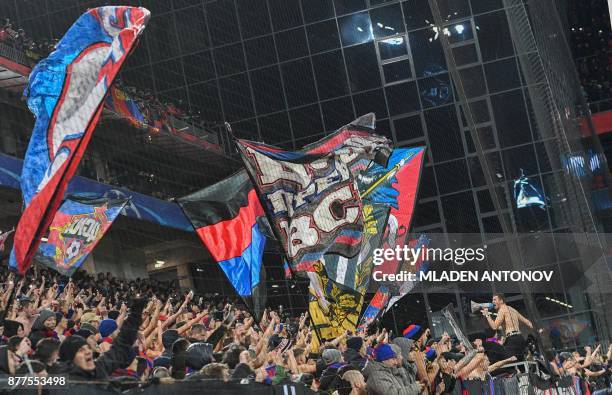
(66, 95)
(78, 226)
(388, 193)
(311, 196)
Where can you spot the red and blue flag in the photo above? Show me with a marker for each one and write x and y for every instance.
(388, 193)
(377, 304)
(120, 103)
(66, 94)
(230, 221)
(311, 195)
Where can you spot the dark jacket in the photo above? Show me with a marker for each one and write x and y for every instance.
(120, 354)
(38, 328)
(410, 369)
(330, 378)
(353, 358)
(4, 361)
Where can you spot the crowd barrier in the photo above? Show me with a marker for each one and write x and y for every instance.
(519, 384)
(523, 384)
(184, 387)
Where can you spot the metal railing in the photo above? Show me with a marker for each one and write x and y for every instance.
(13, 54)
(600, 106)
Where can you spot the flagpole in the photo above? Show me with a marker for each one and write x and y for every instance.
(382, 179)
(394, 320)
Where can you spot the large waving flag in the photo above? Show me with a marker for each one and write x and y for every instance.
(393, 190)
(120, 103)
(311, 196)
(230, 221)
(388, 194)
(333, 308)
(66, 94)
(78, 226)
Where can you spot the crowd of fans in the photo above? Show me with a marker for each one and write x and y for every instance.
(592, 46)
(18, 39)
(102, 329)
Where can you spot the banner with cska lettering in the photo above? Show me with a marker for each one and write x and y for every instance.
(77, 227)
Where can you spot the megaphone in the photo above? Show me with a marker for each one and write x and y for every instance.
(479, 306)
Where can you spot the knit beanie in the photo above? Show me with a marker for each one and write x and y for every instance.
(70, 346)
(384, 352)
(169, 337)
(84, 333)
(413, 332)
(430, 354)
(331, 355)
(355, 343)
(90, 328)
(107, 327)
(11, 327)
(44, 315)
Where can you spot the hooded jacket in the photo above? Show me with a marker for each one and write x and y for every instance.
(406, 346)
(387, 380)
(38, 328)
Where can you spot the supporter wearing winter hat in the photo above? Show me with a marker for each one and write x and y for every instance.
(413, 332)
(90, 328)
(71, 346)
(430, 354)
(43, 326)
(355, 352)
(47, 351)
(13, 328)
(107, 328)
(331, 355)
(90, 318)
(355, 343)
(384, 352)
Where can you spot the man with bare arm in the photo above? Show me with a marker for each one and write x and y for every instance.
(509, 320)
